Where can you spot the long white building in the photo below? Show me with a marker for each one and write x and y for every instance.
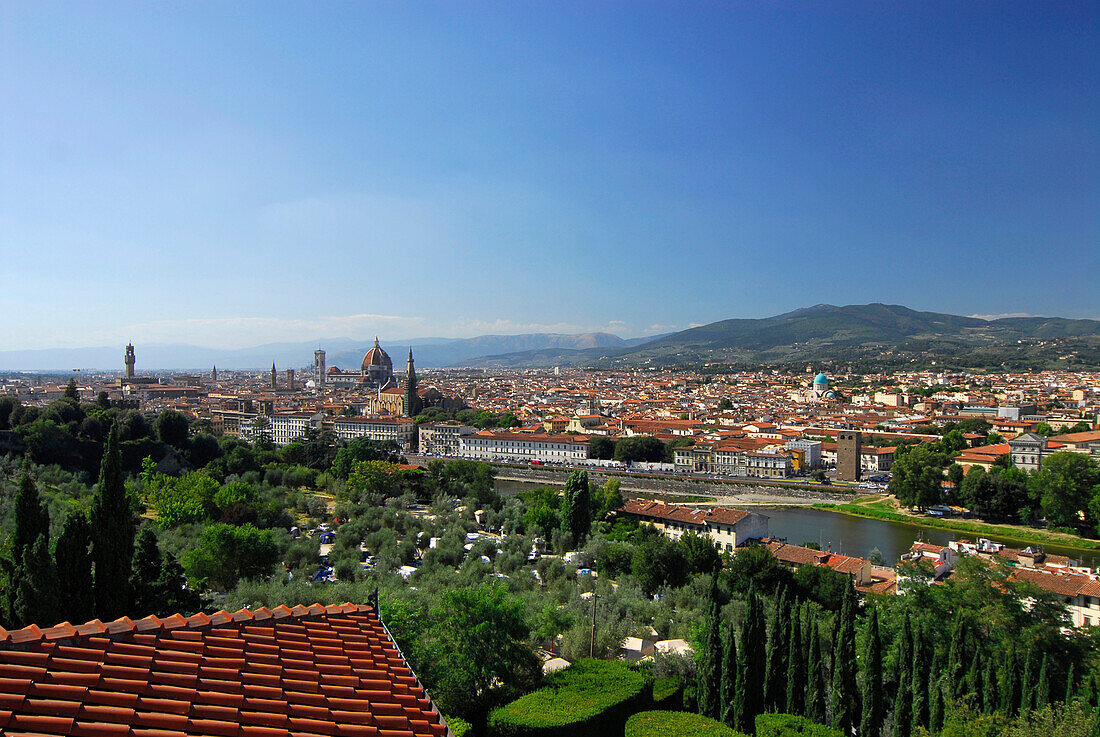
(523, 447)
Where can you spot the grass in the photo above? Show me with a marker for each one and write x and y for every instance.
(885, 508)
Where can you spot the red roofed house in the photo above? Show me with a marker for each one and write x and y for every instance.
(796, 555)
(727, 528)
(306, 671)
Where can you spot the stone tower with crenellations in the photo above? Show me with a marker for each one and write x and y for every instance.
(131, 359)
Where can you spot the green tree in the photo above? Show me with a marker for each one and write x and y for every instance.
(1065, 484)
(724, 404)
(775, 673)
(917, 479)
(752, 654)
(709, 659)
(601, 447)
(73, 557)
(699, 553)
(1010, 687)
(607, 499)
(576, 506)
(145, 574)
(874, 709)
(172, 428)
(112, 535)
(796, 666)
(921, 676)
(815, 674)
(31, 516)
(36, 598)
(228, 553)
(177, 501)
(845, 694)
(644, 448)
(481, 657)
(71, 391)
(731, 681)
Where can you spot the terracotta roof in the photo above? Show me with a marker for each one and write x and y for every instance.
(672, 512)
(317, 670)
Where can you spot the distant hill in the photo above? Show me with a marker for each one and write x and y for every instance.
(457, 352)
(347, 353)
(863, 336)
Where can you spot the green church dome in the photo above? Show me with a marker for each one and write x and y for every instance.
(821, 379)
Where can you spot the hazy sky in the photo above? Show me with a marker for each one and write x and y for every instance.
(235, 173)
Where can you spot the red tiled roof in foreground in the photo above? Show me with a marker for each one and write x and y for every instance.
(283, 672)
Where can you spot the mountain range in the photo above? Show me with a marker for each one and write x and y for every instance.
(347, 353)
(862, 337)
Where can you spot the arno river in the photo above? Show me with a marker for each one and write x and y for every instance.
(854, 535)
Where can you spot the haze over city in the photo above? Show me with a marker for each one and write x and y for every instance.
(229, 176)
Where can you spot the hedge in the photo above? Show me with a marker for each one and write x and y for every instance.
(591, 698)
(678, 723)
(668, 693)
(788, 725)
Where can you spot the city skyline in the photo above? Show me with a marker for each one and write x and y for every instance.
(234, 177)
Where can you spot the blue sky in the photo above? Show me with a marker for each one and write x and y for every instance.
(235, 173)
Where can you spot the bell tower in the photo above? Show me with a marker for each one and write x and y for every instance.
(319, 367)
(131, 359)
(412, 399)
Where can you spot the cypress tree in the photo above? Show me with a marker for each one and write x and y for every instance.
(845, 691)
(775, 679)
(112, 535)
(1010, 687)
(145, 575)
(796, 666)
(920, 679)
(1027, 684)
(975, 680)
(36, 600)
(749, 696)
(935, 713)
(711, 678)
(873, 708)
(1042, 689)
(815, 674)
(903, 704)
(992, 686)
(71, 555)
(31, 518)
(732, 684)
(576, 506)
(1071, 677)
(956, 671)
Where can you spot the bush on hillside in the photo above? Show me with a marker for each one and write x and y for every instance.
(591, 698)
(679, 723)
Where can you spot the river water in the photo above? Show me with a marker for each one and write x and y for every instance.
(858, 536)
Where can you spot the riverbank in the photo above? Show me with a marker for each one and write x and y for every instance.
(885, 508)
(681, 488)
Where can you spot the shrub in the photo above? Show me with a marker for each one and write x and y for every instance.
(679, 723)
(788, 725)
(591, 698)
